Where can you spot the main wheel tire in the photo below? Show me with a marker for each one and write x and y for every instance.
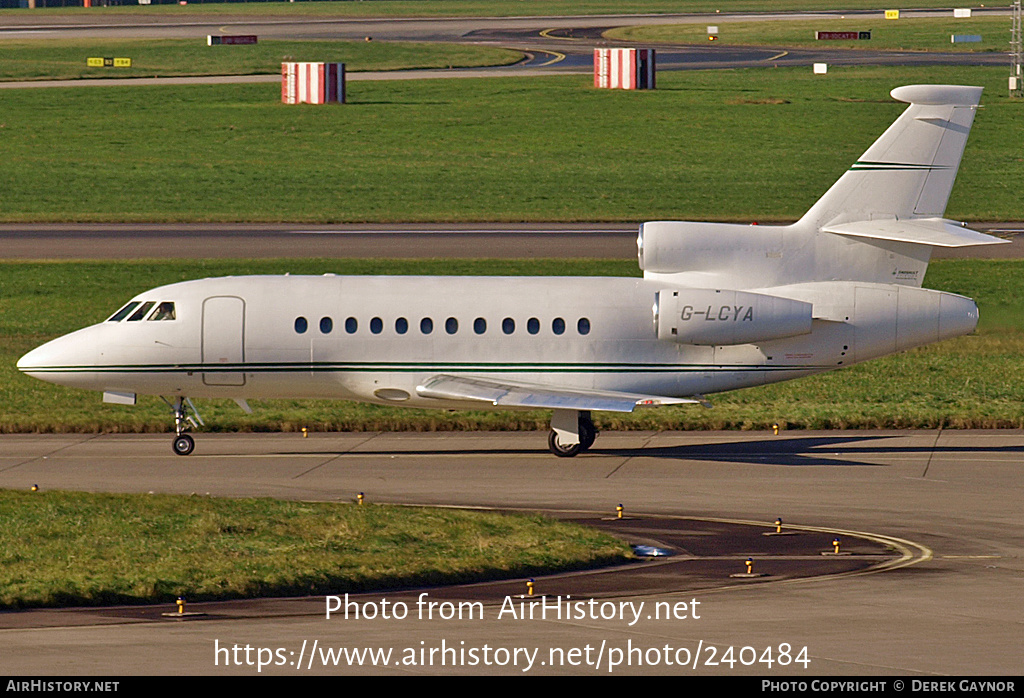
(184, 444)
(587, 434)
(562, 450)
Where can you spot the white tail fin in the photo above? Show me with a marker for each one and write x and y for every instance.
(909, 171)
(877, 224)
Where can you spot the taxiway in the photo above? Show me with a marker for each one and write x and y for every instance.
(950, 497)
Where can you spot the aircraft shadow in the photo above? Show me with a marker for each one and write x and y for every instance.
(839, 450)
(800, 451)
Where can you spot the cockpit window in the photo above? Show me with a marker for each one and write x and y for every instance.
(123, 312)
(164, 311)
(141, 312)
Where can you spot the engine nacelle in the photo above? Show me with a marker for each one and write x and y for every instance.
(681, 246)
(713, 316)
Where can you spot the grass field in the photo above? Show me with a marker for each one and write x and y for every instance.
(730, 145)
(63, 549)
(707, 145)
(64, 59)
(907, 34)
(973, 381)
(474, 8)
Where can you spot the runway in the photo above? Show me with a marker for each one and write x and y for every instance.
(388, 241)
(952, 497)
(199, 241)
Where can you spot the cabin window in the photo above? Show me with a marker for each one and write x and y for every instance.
(301, 325)
(426, 325)
(508, 325)
(141, 312)
(376, 325)
(451, 325)
(123, 312)
(164, 311)
(583, 326)
(480, 325)
(401, 325)
(351, 325)
(326, 325)
(533, 325)
(558, 325)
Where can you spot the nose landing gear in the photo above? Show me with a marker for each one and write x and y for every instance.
(183, 443)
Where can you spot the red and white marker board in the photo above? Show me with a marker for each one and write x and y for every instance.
(624, 68)
(312, 83)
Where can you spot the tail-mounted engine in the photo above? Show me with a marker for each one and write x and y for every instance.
(722, 317)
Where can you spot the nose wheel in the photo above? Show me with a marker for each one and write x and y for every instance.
(184, 444)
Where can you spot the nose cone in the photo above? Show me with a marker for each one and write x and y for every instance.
(67, 360)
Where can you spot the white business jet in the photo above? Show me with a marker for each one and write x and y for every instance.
(720, 306)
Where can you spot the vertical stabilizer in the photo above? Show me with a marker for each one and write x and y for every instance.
(877, 224)
(909, 171)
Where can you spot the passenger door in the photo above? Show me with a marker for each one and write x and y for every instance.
(224, 340)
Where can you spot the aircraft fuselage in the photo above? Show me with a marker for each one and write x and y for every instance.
(377, 339)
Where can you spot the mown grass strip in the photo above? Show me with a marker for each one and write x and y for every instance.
(975, 381)
(907, 34)
(706, 145)
(65, 59)
(66, 548)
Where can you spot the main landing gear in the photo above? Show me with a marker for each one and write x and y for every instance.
(183, 443)
(572, 432)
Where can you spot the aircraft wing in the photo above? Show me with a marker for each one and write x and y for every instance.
(516, 394)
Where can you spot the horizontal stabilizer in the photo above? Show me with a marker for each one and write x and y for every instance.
(921, 231)
(514, 394)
